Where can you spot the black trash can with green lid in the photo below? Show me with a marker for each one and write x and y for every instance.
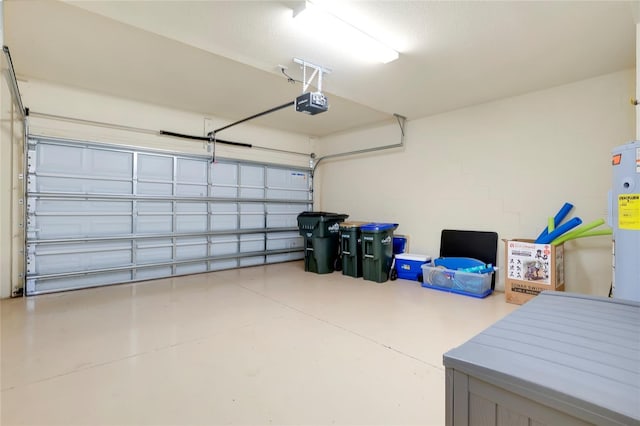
(377, 250)
(320, 231)
(351, 248)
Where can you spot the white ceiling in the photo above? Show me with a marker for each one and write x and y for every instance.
(220, 57)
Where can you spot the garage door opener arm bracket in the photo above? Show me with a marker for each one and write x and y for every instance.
(213, 134)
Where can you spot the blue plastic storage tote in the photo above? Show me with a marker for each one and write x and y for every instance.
(467, 283)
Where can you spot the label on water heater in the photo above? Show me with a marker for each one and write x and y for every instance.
(629, 211)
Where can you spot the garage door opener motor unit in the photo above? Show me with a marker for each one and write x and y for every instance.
(311, 103)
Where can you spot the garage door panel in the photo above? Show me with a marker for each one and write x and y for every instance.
(293, 209)
(155, 188)
(251, 181)
(191, 190)
(107, 259)
(284, 257)
(224, 222)
(81, 247)
(252, 242)
(78, 282)
(106, 163)
(287, 179)
(224, 216)
(154, 224)
(82, 256)
(155, 168)
(224, 192)
(248, 192)
(251, 221)
(251, 175)
(191, 268)
(284, 240)
(192, 171)
(155, 207)
(283, 194)
(84, 161)
(79, 226)
(58, 159)
(191, 207)
(286, 184)
(191, 248)
(224, 180)
(223, 207)
(191, 223)
(84, 261)
(218, 265)
(223, 245)
(151, 273)
(82, 206)
(251, 216)
(284, 215)
(148, 255)
(80, 185)
(191, 217)
(252, 261)
(138, 238)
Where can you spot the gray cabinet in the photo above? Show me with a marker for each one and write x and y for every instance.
(560, 359)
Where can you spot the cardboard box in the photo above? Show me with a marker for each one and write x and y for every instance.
(531, 268)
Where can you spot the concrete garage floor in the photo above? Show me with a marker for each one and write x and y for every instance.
(255, 346)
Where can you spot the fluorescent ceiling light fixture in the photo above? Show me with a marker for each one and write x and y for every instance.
(318, 20)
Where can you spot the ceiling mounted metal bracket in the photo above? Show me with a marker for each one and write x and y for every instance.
(317, 71)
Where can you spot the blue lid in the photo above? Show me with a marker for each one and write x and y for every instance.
(457, 262)
(378, 226)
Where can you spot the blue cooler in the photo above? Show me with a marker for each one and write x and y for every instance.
(409, 266)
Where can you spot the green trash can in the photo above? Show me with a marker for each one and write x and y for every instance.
(351, 248)
(321, 240)
(377, 250)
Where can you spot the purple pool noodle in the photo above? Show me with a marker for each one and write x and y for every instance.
(560, 230)
(559, 217)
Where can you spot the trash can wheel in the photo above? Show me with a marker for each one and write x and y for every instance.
(394, 274)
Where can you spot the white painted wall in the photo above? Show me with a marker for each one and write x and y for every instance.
(503, 166)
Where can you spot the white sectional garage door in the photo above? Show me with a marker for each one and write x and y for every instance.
(99, 214)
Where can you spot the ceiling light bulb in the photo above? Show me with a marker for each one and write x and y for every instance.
(316, 20)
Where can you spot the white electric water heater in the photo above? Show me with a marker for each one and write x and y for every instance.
(625, 221)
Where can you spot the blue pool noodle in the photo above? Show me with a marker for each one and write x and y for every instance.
(559, 217)
(560, 230)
